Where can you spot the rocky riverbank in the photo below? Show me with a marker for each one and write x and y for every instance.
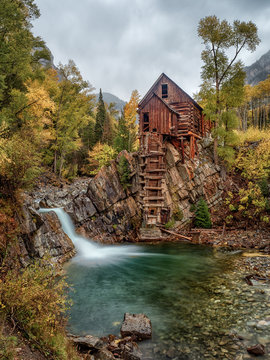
(258, 239)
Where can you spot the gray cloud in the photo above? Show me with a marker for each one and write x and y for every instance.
(121, 45)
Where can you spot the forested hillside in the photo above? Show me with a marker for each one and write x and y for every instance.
(54, 127)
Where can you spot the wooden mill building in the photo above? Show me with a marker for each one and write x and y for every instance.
(166, 113)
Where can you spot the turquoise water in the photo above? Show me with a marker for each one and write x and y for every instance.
(196, 298)
(159, 283)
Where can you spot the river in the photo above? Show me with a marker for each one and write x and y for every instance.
(196, 297)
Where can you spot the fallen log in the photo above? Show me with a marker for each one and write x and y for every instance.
(176, 234)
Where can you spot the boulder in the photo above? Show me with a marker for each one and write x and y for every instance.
(138, 325)
(87, 341)
(131, 351)
(104, 354)
(257, 350)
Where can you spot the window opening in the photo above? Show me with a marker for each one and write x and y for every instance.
(164, 90)
(145, 122)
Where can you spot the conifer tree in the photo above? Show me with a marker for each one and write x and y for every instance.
(107, 135)
(124, 172)
(121, 140)
(100, 118)
(202, 215)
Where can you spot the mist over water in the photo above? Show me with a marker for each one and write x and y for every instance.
(88, 250)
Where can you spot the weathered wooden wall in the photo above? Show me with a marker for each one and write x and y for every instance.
(161, 119)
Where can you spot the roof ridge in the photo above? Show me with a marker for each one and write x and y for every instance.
(151, 89)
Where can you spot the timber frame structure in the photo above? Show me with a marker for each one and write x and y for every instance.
(166, 114)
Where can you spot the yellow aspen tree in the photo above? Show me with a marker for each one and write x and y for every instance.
(130, 114)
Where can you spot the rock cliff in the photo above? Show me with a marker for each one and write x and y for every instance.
(259, 70)
(106, 212)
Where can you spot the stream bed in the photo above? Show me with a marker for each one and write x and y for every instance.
(196, 297)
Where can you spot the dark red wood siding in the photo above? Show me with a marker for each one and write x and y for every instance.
(160, 117)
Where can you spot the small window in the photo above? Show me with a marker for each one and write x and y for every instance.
(145, 122)
(164, 90)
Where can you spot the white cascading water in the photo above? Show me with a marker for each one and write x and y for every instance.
(87, 249)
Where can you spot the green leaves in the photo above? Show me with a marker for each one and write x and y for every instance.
(214, 32)
(223, 76)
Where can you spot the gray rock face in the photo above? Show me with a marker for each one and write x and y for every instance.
(105, 212)
(186, 183)
(259, 70)
(138, 325)
(42, 234)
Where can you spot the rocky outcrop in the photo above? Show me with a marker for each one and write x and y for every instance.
(186, 183)
(41, 235)
(105, 211)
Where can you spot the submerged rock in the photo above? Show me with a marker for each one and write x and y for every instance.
(138, 325)
(258, 349)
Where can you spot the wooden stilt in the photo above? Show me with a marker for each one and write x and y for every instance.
(183, 150)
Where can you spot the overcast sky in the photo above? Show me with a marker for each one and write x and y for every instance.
(122, 45)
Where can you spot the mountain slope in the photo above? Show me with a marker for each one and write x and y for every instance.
(109, 98)
(259, 70)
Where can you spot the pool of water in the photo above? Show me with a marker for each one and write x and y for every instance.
(196, 299)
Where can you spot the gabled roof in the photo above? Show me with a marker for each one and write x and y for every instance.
(164, 102)
(156, 82)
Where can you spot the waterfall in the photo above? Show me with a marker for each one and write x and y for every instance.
(87, 249)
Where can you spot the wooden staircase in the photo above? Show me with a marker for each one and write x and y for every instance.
(152, 166)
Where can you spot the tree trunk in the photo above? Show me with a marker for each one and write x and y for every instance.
(216, 123)
(55, 162)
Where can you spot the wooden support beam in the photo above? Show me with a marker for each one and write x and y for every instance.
(154, 177)
(183, 150)
(176, 234)
(155, 170)
(191, 133)
(153, 198)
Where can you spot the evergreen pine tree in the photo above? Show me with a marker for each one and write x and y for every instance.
(121, 140)
(202, 215)
(124, 172)
(108, 133)
(100, 118)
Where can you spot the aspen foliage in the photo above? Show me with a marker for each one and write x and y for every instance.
(130, 116)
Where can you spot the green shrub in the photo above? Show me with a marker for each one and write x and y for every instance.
(202, 215)
(7, 347)
(263, 184)
(178, 215)
(124, 172)
(170, 224)
(35, 299)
